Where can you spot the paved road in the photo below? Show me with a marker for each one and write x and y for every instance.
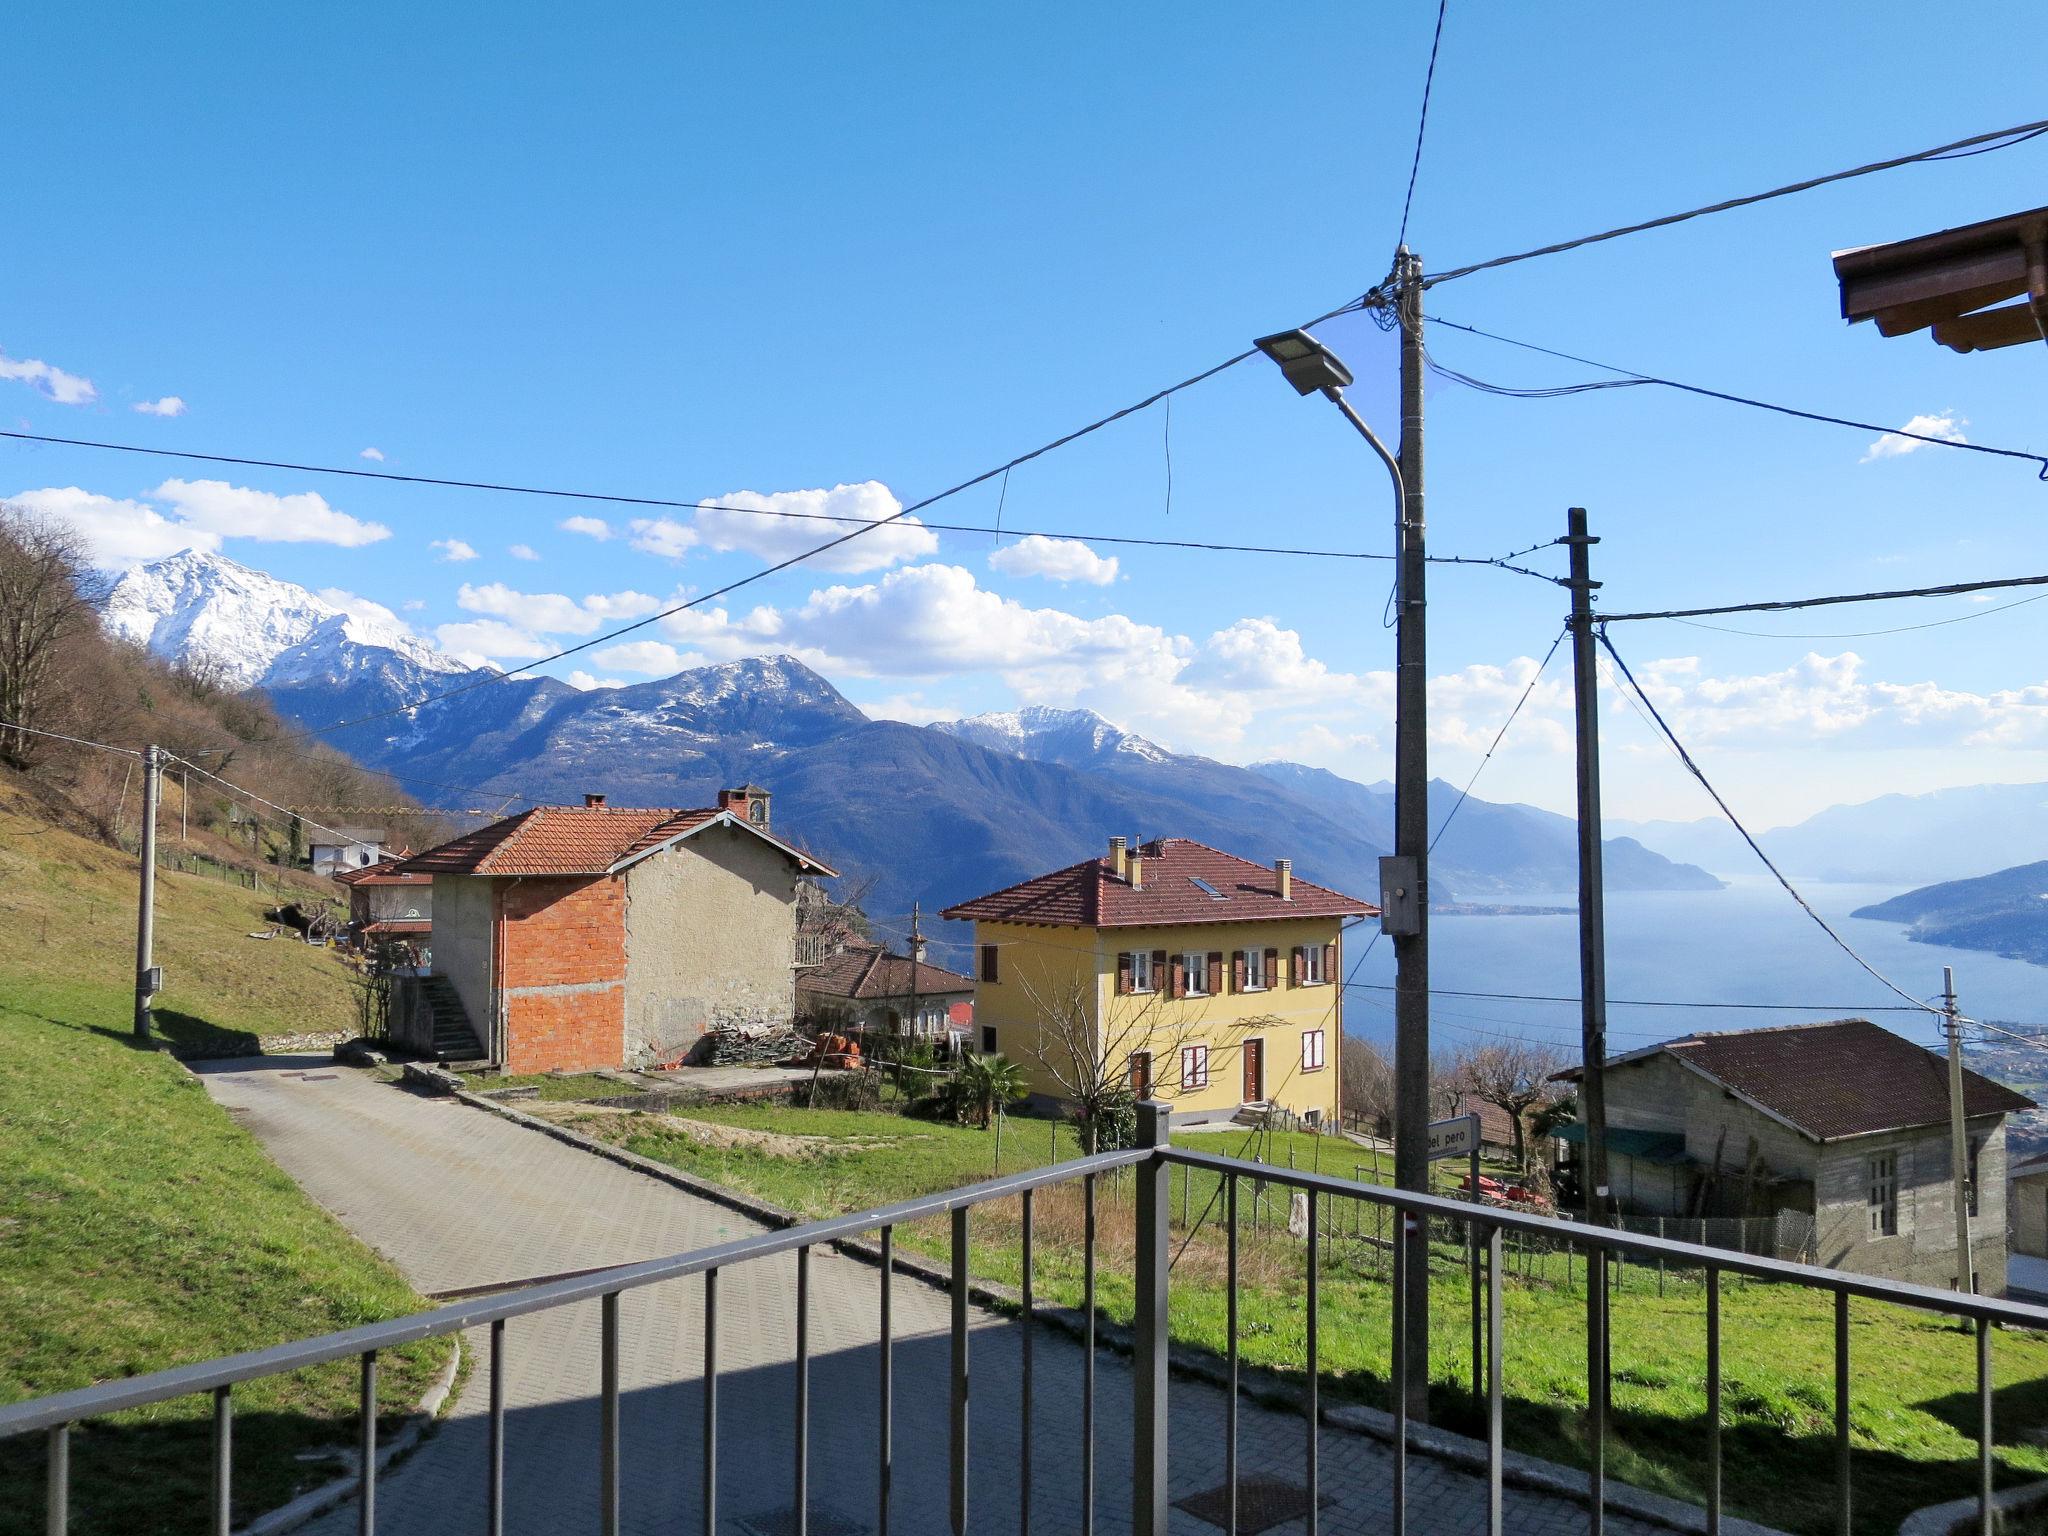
(458, 1197)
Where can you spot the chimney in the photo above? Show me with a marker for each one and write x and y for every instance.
(1135, 865)
(1283, 870)
(749, 803)
(593, 802)
(1117, 865)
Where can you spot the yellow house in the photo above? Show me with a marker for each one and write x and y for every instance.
(1199, 978)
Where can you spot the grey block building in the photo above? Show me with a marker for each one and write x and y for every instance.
(1843, 1121)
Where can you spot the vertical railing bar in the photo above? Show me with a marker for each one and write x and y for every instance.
(1314, 1367)
(366, 1448)
(711, 1402)
(959, 1415)
(886, 1430)
(608, 1388)
(803, 1391)
(57, 1481)
(1985, 1516)
(1029, 1324)
(1088, 1355)
(1399, 1372)
(1596, 1390)
(1230, 1307)
(494, 1475)
(1843, 1522)
(1713, 1400)
(223, 1459)
(1493, 1383)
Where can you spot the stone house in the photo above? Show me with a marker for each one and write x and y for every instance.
(330, 850)
(2026, 1209)
(1843, 1121)
(575, 937)
(1200, 978)
(866, 987)
(385, 903)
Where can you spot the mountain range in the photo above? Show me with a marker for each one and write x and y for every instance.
(2005, 912)
(932, 814)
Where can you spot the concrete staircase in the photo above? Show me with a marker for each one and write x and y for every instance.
(454, 1037)
(1268, 1116)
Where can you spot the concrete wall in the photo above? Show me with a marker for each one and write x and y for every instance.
(394, 901)
(1035, 964)
(463, 914)
(710, 936)
(1924, 1249)
(2026, 1210)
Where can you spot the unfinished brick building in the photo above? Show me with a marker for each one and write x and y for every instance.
(568, 938)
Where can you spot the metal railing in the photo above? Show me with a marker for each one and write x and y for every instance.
(1149, 1168)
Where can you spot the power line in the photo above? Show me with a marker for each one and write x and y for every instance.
(1466, 792)
(76, 741)
(1951, 589)
(1630, 378)
(1664, 1002)
(1861, 634)
(1422, 120)
(1990, 141)
(1693, 768)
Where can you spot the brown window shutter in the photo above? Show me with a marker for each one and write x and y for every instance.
(1215, 971)
(1123, 973)
(1294, 966)
(1330, 963)
(1272, 967)
(1237, 970)
(1180, 978)
(1159, 973)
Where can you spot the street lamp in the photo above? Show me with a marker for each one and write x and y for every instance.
(1312, 367)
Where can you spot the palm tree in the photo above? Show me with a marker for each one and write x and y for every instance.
(987, 1081)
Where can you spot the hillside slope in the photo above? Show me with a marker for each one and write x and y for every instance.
(2005, 912)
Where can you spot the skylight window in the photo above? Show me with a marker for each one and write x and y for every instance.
(1207, 889)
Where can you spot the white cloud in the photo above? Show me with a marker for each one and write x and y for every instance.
(523, 552)
(116, 533)
(453, 550)
(374, 455)
(910, 708)
(650, 658)
(1947, 426)
(413, 604)
(786, 523)
(552, 612)
(367, 610)
(170, 405)
(590, 527)
(237, 512)
(1054, 559)
(477, 641)
(1258, 656)
(50, 382)
(589, 680)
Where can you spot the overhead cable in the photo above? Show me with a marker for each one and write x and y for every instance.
(76, 741)
(1756, 848)
(2004, 138)
(1863, 634)
(1422, 120)
(1661, 1002)
(1630, 379)
(1951, 589)
(1465, 793)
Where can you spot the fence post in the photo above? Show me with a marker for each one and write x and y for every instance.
(1148, 1373)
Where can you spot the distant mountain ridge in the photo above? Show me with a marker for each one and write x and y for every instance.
(2005, 912)
(933, 813)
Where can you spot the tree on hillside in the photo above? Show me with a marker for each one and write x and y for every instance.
(1367, 1088)
(1514, 1075)
(47, 598)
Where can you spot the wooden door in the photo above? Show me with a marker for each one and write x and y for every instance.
(1254, 1071)
(1141, 1074)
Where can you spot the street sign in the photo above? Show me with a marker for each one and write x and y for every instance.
(1456, 1137)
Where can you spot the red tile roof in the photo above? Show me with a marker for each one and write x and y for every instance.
(869, 972)
(383, 872)
(1089, 894)
(400, 925)
(1845, 1077)
(576, 840)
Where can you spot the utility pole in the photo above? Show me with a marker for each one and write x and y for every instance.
(1592, 994)
(916, 955)
(1411, 838)
(145, 915)
(1958, 1142)
(1592, 887)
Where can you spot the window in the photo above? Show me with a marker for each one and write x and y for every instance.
(1312, 965)
(1207, 889)
(1311, 1050)
(1195, 965)
(1194, 1067)
(1136, 971)
(988, 1039)
(1884, 1194)
(1252, 966)
(988, 962)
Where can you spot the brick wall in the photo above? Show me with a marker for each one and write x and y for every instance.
(564, 974)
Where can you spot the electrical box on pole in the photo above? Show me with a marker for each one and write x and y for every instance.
(1400, 901)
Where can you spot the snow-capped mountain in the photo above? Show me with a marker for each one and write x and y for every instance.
(248, 628)
(1078, 738)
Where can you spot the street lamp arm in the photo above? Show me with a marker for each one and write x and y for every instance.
(1337, 399)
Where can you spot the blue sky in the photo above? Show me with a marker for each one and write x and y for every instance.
(781, 251)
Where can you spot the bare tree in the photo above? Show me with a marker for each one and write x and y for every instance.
(1368, 1084)
(1086, 1043)
(47, 596)
(1515, 1076)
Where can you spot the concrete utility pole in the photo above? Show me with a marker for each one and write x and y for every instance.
(1958, 1140)
(1592, 886)
(145, 916)
(916, 954)
(1411, 836)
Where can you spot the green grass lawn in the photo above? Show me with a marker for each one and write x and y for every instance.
(1914, 1379)
(140, 1228)
(553, 1087)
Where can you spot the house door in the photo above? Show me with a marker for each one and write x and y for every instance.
(1254, 1071)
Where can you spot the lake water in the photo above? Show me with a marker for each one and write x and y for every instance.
(1749, 943)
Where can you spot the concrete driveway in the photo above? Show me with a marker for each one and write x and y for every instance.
(457, 1197)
